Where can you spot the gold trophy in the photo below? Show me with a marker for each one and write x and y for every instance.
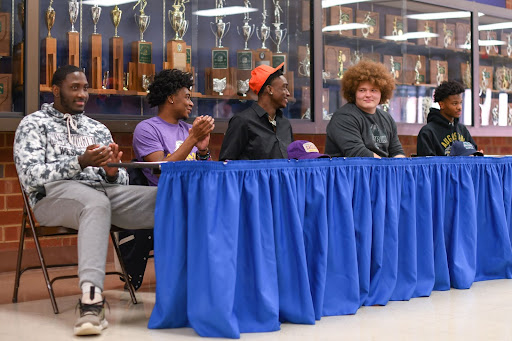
(50, 46)
(73, 35)
(95, 51)
(141, 63)
(116, 52)
(177, 57)
(417, 68)
(341, 60)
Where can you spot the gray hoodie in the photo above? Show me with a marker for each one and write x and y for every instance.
(47, 144)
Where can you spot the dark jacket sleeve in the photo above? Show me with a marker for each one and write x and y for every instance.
(344, 131)
(468, 137)
(235, 139)
(425, 145)
(395, 147)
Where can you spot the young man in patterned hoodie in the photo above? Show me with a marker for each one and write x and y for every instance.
(61, 158)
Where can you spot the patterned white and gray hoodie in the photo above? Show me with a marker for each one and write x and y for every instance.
(47, 144)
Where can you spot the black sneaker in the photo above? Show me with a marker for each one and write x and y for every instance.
(92, 318)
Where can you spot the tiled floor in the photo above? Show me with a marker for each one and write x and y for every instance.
(480, 313)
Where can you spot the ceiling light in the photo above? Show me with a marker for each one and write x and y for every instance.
(497, 26)
(441, 15)
(222, 11)
(344, 27)
(483, 43)
(412, 35)
(331, 3)
(107, 3)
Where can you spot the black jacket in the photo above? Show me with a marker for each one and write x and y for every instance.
(437, 136)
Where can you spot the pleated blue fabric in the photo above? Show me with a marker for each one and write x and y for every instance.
(242, 246)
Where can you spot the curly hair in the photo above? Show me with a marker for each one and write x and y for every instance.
(446, 89)
(60, 75)
(167, 83)
(367, 71)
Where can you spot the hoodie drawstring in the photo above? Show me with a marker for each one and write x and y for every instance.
(70, 122)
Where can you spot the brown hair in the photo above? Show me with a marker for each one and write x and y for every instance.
(367, 71)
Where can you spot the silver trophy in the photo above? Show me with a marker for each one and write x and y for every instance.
(305, 64)
(219, 28)
(247, 30)
(141, 19)
(95, 14)
(219, 85)
(264, 31)
(177, 18)
(73, 10)
(279, 33)
(243, 87)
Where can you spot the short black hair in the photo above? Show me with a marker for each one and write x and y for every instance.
(167, 83)
(446, 89)
(60, 75)
(269, 80)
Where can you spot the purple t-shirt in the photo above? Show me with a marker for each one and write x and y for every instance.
(153, 135)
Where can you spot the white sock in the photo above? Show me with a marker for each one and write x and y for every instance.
(86, 293)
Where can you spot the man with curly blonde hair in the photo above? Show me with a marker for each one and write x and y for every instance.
(359, 128)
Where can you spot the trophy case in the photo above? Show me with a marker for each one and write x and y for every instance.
(121, 45)
(420, 44)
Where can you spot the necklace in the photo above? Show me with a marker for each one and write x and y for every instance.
(272, 121)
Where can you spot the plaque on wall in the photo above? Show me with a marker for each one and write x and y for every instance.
(462, 35)
(446, 37)
(5, 92)
(336, 61)
(394, 25)
(427, 26)
(465, 71)
(5, 34)
(438, 71)
(339, 16)
(491, 50)
(415, 69)
(506, 50)
(395, 66)
(306, 19)
(374, 57)
(485, 78)
(371, 19)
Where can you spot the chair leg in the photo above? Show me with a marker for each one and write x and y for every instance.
(20, 257)
(45, 271)
(123, 269)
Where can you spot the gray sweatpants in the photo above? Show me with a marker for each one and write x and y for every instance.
(91, 207)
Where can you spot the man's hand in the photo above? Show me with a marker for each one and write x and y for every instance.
(201, 128)
(95, 156)
(115, 157)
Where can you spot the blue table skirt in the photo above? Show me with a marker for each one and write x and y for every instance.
(244, 245)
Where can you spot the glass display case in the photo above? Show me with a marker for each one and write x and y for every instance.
(12, 34)
(420, 44)
(122, 44)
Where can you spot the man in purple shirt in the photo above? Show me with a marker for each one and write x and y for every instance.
(166, 137)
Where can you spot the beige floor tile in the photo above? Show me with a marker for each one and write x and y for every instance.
(480, 313)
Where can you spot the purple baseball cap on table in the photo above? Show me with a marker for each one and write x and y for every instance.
(301, 149)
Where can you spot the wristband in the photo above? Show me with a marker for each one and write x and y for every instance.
(203, 157)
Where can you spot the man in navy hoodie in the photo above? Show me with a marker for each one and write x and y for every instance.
(443, 127)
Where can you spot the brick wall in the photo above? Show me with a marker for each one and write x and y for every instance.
(11, 200)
